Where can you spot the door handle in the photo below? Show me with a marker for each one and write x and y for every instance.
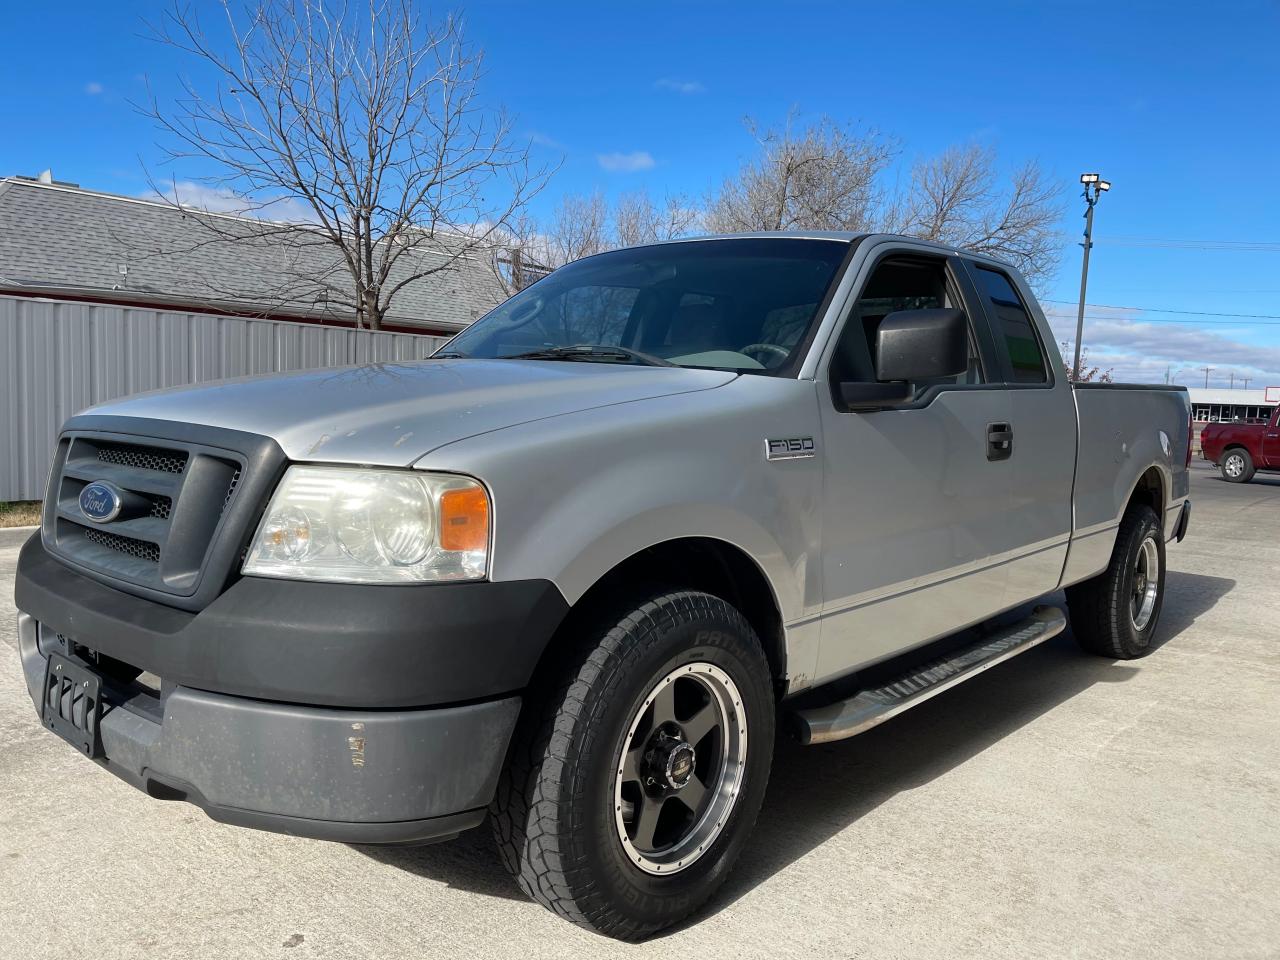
(999, 441)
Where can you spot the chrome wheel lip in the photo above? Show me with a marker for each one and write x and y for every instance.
(1146, 590)
(1234, 465)
(730, 773)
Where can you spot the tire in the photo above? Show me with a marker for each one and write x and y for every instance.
(1237, 466)
(560, 814)
(1115, 614)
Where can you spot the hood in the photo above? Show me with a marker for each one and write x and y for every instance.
(394, 413)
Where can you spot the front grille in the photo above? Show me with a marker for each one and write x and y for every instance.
(140, 549)
(174, 494)
(143, 458)
(231, 490)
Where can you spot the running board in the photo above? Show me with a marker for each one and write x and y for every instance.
(871, 707)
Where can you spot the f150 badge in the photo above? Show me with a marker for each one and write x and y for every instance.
(789, 448)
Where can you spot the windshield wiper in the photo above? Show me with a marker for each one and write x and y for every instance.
(590, 352)
(449, 355)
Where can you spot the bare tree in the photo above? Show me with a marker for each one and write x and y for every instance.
(578, 228)
(954, 198)
(822, 177)
(367, 117)
(637, 219)
(585, 224)
(830, 177)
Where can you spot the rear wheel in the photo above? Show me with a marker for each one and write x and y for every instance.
(1115, 614)
(639, 769)
(1237, 465)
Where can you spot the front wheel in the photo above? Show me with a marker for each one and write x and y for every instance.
(1237, 466)
(1115, 613)
(638, 772)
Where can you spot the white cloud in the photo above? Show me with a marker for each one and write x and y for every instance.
(93, 88)
(201, 196)
(1144, 352)
(684, 87)
(626, 162)
(539, 139)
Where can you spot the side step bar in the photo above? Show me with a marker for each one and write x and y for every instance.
(871, 707)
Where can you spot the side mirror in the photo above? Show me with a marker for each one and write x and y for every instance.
(911, 345)
(914, 345)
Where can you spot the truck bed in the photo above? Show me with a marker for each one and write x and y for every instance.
(1123, 428)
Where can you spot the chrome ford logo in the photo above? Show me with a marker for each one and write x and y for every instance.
(100, 502)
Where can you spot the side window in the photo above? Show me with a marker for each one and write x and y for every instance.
(1013, 322)
(896, 284)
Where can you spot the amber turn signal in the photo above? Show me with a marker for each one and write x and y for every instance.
(464, 519)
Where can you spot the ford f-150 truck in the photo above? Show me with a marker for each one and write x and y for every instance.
(1242, 449)
(568, 574)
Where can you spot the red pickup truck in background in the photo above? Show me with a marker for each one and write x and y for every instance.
(1241, 449)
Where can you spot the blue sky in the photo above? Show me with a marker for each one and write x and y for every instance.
(1177, 103)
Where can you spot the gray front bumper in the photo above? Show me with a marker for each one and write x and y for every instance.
(386, 776)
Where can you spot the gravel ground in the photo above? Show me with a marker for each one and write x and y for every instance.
(1056, 806)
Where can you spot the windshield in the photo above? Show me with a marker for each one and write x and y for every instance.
(734, 304)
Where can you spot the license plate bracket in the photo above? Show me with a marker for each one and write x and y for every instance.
(72, 704)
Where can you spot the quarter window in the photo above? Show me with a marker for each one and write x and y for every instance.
(1013, 323)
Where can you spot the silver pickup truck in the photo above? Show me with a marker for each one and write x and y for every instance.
(573, 571)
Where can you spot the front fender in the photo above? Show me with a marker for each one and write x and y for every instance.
(576, 495)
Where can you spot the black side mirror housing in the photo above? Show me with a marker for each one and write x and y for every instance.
(914, 345)
(860, 395)
(911, 345)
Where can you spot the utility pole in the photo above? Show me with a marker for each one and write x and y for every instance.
(1233, 380)
(1094, 187)
(1246, 382)
(1207, 370)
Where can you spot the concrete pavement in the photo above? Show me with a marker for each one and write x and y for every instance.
(1056, 806)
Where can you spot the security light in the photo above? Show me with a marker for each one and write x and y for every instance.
(1104, 184)
(1088, 178)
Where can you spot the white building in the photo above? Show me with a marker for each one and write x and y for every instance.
(1218, 405)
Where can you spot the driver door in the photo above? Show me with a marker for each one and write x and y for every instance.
(915, 527)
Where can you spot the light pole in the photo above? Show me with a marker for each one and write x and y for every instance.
(1094, 187)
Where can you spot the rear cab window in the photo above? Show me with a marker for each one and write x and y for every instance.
(1012, 324)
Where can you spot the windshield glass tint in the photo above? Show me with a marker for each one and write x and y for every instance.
(731, 304)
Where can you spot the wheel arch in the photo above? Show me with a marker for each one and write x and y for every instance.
(1150, 489)
(708, 564)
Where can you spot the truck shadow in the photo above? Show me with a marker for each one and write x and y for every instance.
(817, 792)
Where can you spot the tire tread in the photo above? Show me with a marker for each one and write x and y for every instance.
(533, 811)
(1100, 606)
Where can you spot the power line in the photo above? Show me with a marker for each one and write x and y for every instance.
(1243, 246)
(1201, 323)
(1185, 313)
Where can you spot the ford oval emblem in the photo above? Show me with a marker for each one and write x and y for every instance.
(100, 502)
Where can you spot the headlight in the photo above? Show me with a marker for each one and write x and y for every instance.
(372, 526)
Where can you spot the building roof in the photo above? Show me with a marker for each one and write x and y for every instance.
(61, 240)
(1240, 398)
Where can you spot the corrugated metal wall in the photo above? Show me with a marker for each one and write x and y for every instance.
(58, 357)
